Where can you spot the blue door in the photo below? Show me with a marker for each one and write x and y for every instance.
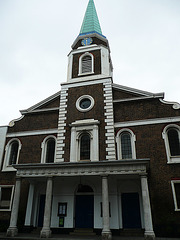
(131, 210)
(41, 210)
(84, 211)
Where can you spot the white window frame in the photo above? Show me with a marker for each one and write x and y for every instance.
(174, 195)
(118, 141)
(6, 166)
(170, 159)
(79, 101)
(80, 63)
(77, 129)
(11, 200)
(44, 148)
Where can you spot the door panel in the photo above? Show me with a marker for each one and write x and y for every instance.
(131, 210)
(84, 211)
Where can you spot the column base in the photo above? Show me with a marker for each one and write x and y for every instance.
(12, 232)
(45, 233)
(106, 236)
(149, 235)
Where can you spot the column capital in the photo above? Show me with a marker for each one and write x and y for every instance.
(104, 175)
(143, 175)
(18, 178)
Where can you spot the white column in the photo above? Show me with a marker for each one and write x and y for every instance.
(95, 142)
(149, 233)
(12, 230)
(73, 147)
(46, 231)
(29, 205)
(106, 233)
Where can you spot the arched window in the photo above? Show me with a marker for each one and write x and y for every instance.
(85, 141)
(48, 149)
(173, 138)
(126, 148)
(12, 151)
(126, 144)
(171, 135)
(86, 64)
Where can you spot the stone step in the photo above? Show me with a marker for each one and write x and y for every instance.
(83, 232)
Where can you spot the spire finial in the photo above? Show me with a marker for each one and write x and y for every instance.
(91, 22)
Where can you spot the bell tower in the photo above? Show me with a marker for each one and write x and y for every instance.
(86, 102)
(90, 56)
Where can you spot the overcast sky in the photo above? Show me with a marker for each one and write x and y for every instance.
(36, 36)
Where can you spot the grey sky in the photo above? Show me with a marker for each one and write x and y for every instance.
(36, 36)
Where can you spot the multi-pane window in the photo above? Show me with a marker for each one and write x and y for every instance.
(176, 194)
(174, 143)
(85, 147)
(126, 144)
(50, 150)
(5, 197)
(126, 148)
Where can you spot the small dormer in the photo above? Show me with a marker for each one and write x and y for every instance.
(90, 56)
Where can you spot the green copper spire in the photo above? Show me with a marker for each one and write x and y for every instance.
(90, 23)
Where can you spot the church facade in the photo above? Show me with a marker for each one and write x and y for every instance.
(96, 155)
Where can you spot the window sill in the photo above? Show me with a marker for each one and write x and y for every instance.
(87, 73)
(174, 160)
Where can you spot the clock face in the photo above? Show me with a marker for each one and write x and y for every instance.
(85, 103)
(86, 41)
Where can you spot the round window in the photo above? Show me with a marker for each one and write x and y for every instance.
(85, 103)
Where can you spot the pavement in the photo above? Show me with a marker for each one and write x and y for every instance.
(30, 236)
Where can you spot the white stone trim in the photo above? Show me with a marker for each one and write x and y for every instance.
(170, 159)
(3, 131)
(91, 127)
(137, 91)
(175, 104)
(6, 166)
(109, 121)
(174, 194)
(147, 122)
(85, 81)
(61, 125)
(44, 148)
(85, 97)
(80, 64)
(32, 133)
(11, 200)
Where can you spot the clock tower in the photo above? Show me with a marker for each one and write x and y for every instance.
(86, 107)
(90, 56)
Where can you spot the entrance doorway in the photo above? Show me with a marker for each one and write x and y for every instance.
(131, 210)
(84, 207)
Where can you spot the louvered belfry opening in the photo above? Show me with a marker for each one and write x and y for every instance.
(86, 64)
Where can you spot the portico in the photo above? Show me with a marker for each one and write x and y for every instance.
(58, 183)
